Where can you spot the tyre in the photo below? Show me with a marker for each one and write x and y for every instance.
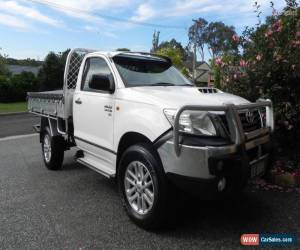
(53, 150)
(142, 186)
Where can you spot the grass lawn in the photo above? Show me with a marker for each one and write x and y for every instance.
(13, 107)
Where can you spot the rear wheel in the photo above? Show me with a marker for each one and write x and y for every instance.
(143, 186)
(53, 150)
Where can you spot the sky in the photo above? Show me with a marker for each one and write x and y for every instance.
(32, 28)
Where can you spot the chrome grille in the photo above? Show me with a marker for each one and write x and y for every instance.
(248, 125)
(250, 120)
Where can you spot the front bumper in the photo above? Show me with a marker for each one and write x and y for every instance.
(199, 169)
(212, 161)
(207, 164)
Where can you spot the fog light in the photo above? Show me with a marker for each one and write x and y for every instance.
(221, 184)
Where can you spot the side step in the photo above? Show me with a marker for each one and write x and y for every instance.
(84, 162)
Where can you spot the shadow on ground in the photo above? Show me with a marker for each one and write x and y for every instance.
(250, 212)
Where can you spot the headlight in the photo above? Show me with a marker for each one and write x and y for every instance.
(193, 122)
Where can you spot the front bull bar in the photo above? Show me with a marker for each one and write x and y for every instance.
(237, 134)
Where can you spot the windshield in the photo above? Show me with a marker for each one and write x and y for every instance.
(148, 71)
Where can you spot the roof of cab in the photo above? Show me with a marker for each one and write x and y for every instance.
(115, 53)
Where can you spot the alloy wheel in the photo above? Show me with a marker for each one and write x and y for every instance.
(139, 187)
(47, 148)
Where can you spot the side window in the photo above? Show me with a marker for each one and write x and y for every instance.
(93, 66)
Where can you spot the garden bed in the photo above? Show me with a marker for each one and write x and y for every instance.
(283, 177)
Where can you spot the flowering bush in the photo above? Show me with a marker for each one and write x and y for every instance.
(268, 65)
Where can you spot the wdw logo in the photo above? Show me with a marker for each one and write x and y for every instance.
(267, 239)
(250, 239)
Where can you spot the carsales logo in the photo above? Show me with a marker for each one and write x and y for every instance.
(250, 239)
(283, 239)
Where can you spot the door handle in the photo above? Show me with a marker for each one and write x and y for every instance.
(78, 101)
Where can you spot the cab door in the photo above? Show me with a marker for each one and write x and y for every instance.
(93, 114)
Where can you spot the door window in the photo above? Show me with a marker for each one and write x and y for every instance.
(93, 66)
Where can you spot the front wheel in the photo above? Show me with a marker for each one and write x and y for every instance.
(53, 150)
(142, 186)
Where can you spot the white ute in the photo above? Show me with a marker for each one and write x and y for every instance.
(136, 118)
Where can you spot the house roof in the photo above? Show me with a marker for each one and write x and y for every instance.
(201, 64)
(202, 72)
(189, 64)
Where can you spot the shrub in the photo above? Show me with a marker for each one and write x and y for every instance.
(4, 88)
(51, 74)
(3, 66)
(15, 88)
(268, 65)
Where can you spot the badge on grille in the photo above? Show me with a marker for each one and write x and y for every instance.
(250, 117)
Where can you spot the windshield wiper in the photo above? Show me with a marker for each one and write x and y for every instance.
(162, 84)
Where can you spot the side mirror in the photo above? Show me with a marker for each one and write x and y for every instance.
(103, 83)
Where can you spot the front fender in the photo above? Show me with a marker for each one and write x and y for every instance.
(145, 119)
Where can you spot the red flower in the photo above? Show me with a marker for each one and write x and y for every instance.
(219, 61)
(269, 33)
(258, 57)
(295, 43)
(277, 26)
(235, 38)
(243, 63)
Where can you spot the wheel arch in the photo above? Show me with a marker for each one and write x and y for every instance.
(129, 139)
(48, 122)
(44, 124)
(132, 138)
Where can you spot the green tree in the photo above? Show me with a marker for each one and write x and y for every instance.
(21, 84)
(197, 34)
(174, 45)
(4, 89)
(51, 74)
(23, 62)
(175, 54)
(3, 66)
(155, 41)
(218, 37)
(221, 41)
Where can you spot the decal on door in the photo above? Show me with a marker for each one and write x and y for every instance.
(108, 109)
